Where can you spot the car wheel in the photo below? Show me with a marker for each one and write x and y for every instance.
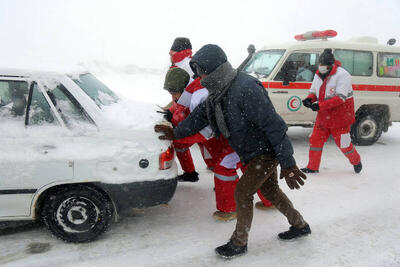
(77, 214)
(366, 130)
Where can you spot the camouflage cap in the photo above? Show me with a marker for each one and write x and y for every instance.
(176, 80)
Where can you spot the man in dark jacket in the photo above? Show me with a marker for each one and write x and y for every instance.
(238, 107)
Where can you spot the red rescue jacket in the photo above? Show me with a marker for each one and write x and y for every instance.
(335, 98)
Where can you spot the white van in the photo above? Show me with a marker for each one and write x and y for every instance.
(75, 155)
(287, 70)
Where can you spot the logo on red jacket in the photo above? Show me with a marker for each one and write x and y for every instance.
(294, 103)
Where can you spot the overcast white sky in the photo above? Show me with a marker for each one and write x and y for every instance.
(141, 32)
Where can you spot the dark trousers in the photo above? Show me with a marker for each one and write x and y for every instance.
(261, 174)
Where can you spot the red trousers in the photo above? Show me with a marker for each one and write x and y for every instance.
(227, 163)
(184, 156)
(342, 139)
(221, 158)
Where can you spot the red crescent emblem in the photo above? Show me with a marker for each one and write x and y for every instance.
(292, 103)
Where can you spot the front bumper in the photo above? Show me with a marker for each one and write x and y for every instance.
(140, 194)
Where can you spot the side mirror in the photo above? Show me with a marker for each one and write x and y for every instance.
(251, 50)
(391, 41)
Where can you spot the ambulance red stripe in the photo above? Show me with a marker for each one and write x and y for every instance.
(356, 87)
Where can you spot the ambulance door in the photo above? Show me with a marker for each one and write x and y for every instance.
(291, 84)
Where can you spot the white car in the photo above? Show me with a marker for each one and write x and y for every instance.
(75, 155)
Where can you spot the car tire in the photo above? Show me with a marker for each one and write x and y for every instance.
(366, 130)
(77, 214)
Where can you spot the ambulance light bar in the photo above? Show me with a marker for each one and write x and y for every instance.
(315, 35)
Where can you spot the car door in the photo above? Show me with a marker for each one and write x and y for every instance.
(291, 84)
(30, 158)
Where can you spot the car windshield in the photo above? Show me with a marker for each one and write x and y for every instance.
(96, 90)
(263, 62)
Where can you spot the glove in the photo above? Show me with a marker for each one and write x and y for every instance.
(166, 130)
(307, 102)
(167, 114)
(315, 107)
(293, 176)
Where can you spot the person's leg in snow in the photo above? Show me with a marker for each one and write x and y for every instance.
(208, 160)
(225, 180)
(185, 159)
(224, 194)
(261, 174)
(317, 140)
(263, 204)
(343, 141)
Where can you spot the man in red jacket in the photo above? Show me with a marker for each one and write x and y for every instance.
(180, 54)
(331, 95)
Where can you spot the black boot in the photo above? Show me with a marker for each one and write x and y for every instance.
(295, 233)
(358, 167)
(229, 250)
(307, 170)
(188, 177)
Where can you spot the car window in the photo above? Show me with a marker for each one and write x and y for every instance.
(69, 108)
(13, 99)
(389, 65)
(357, 63)
(96, 90)
(263, 62)
(40, 111)
(301, 67)
(14, 102)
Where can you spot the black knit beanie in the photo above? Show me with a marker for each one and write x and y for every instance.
(180, 44)
(327, 57)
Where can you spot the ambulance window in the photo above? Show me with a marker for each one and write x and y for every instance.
(299, 67)
(263, 62)
(313, 59)
(357, 63)
(389, 65)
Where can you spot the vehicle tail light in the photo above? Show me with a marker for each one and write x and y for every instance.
(315, 35)
(167, 158)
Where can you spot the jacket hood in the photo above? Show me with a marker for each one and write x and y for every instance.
(208, 58)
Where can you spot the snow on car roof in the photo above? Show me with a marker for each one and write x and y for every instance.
(40, 70)
(359, 43)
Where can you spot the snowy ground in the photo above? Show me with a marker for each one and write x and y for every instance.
(354, 217)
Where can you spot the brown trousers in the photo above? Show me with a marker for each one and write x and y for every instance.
(261, 174)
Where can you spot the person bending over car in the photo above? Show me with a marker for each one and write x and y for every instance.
(224, 159)
(238, 109)
(180, 54)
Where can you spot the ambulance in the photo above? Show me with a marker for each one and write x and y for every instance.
(287, 71)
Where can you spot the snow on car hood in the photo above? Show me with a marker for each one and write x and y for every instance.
(97, 153)
(130, 127)
(132, 115)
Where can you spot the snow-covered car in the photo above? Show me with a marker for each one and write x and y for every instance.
(75, 154)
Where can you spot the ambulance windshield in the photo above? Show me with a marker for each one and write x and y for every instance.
(263, 62)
